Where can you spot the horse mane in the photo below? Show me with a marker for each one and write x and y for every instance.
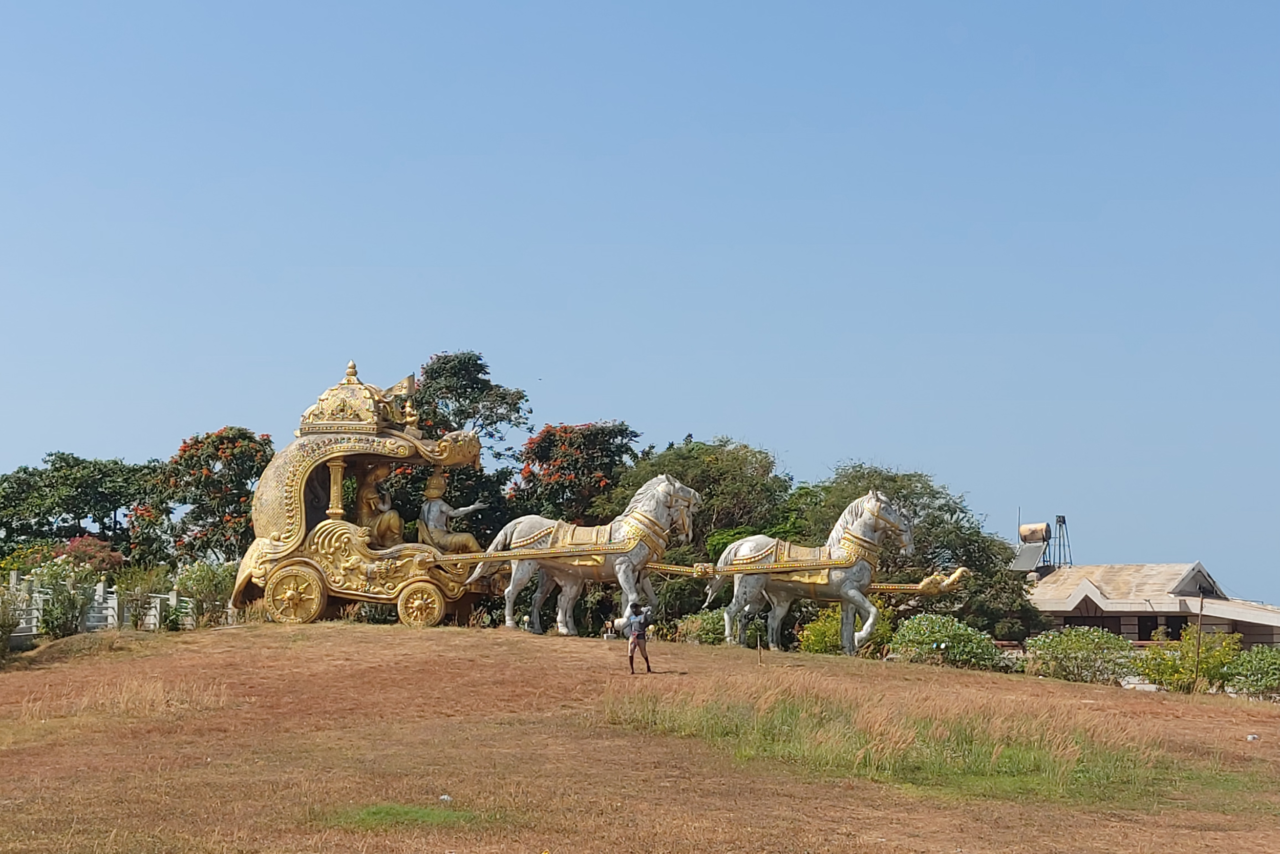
(644, 492)
(851, 514)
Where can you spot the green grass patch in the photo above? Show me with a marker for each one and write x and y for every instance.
(984, 752)
(388, 816)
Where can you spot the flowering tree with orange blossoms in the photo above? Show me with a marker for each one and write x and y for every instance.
(214, 475)
(567, 466)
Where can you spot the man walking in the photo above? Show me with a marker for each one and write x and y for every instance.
(639, 622)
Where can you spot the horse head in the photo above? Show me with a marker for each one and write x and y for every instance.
(888, 520)
(670, 503)
(875, 519)
(682, 503)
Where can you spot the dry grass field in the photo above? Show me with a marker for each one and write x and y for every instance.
(340, 737)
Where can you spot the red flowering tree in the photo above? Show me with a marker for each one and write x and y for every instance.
(93, 553)
(151, 530)
(214, 475)
(566, 467)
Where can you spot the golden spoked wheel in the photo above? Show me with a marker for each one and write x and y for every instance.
(421, 604)
(295, 594)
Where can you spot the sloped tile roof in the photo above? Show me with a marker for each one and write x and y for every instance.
(1127, 581)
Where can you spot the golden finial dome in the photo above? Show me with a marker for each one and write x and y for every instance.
(349, 407)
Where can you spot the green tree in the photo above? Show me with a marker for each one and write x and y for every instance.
(214, 475)
(69, 497)
(455, 392)
(946, 534)
(742, 490)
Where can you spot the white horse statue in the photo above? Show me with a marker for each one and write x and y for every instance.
(618, 551)
(855, 543)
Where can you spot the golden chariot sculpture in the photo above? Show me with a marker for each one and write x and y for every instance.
(312, 553)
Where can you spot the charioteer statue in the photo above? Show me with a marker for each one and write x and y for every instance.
(433, 521)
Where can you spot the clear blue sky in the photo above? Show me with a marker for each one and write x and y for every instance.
(1028, 248)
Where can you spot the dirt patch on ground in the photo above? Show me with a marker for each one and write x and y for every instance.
(254, 738)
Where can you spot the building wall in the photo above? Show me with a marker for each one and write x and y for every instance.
(1128, 625)
(1253, 634)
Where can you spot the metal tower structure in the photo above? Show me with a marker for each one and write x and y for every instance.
(1060, 545)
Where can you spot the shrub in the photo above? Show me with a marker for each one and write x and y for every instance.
(135, 586)
(822, 634)
(63, 571)
(1081, 654)
(707, 627)
(942, 639)
(175, 617)
(373, 613)
(1172, 664)
(1256, 672)
(27, 558)
(11, 606)
(208, 586)
(94, 554)
(63, 613)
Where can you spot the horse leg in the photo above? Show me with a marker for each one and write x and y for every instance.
(570, 589)
(521, 572)
(779, 608)
(545, 584)
(735, 607)
(748, 595)
(646, 584)
(626, 575)
(847, 616)
(869, 614)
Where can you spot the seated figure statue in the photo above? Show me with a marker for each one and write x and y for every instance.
(373, 509)
(433, 522)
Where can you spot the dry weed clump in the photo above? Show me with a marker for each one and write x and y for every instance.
(129, 697)
(972, 740)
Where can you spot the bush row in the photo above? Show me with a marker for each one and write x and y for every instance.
(1074, 654)
(207, 588)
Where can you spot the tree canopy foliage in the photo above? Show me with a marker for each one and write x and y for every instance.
(70, 497)
(568, 467)
(455, 392)
(214, 475)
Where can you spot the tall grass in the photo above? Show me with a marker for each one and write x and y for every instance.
(981, 743)
(127, 697)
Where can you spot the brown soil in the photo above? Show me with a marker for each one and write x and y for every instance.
(252, 738)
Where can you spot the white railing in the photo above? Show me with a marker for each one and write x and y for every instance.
(106, 609)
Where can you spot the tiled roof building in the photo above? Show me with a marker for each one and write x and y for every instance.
(1134, 600)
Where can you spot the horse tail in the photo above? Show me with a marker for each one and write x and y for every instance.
(500, 543)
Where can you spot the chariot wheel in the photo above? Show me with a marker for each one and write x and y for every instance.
(295, 594)
(421, 604)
